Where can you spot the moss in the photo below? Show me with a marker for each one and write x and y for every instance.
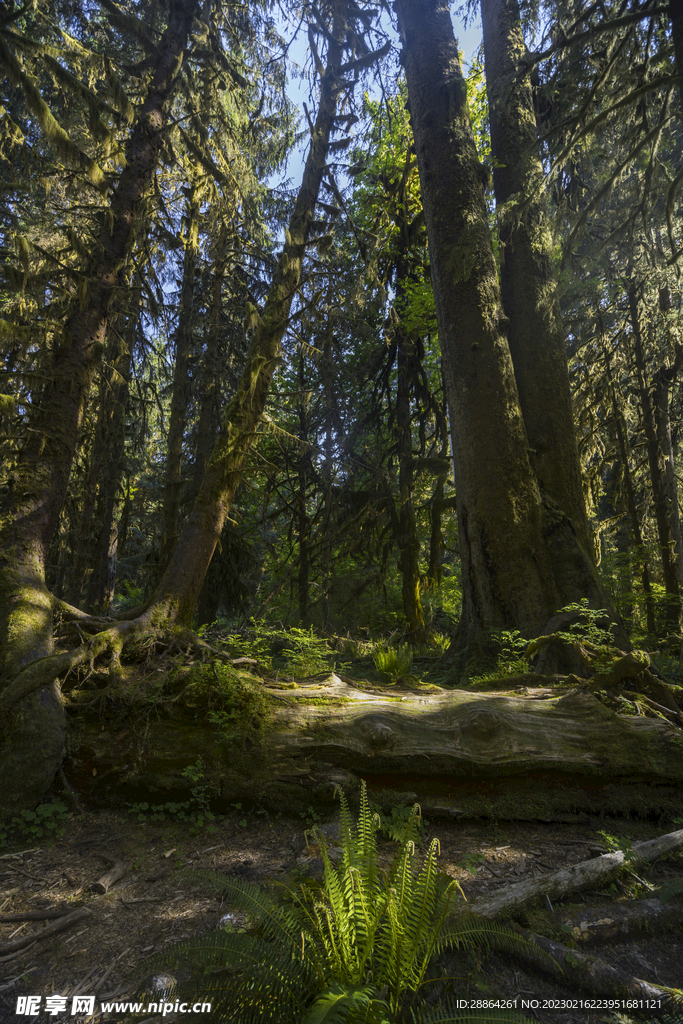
(319, 701)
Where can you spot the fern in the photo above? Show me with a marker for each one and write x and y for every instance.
(347, 950)
(668, 890)
(450, 1014)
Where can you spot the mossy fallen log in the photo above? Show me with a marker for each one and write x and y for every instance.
(465, 733)
(533, 754)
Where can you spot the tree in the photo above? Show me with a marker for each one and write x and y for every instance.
(32, 746)
(521, 560)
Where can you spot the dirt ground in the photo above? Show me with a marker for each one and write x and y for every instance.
(156, 902)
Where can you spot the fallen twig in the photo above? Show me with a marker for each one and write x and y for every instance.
(44, 933)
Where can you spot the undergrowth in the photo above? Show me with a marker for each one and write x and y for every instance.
(354, 947)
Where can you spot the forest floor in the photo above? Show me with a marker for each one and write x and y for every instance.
(157, 902)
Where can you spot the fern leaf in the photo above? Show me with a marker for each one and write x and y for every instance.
(670, 889)
(340, 1005)
(274, 921)
(449, 1014)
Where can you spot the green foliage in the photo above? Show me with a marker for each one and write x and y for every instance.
(45, 822)
(393, 663)
(669, 890)
(400, 821)
(472, 862)
(350, 948)
(231, 700)
(614, 845)
(195, 811)
(306, 653)
(129, 596)
(503, 652)
(588, 628)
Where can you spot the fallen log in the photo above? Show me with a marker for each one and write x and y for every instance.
(621, 920)
(463, 732)
(501, 754)
(570, 879)
(105, 882)
(577, 970)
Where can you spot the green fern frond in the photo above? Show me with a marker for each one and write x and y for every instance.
(476, 931)
(244, 977)
(448, 1013)
(274, 921)
(670, 889)
(340, 1005)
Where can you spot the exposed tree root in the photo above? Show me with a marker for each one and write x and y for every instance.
(106, 642)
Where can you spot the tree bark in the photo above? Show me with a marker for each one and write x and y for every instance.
(181, 385)
(669, 554)
(32, 739)
(506, 572)
(636, 532)
(408, 540)
(528, 283)
(104, 553)
(522, 555)
(303, 526)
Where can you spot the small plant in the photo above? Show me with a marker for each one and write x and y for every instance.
(306, 654)
(399, 820)
(352, 948)
(471, 862)
(46, 821)
(393, 663)
(195, 811)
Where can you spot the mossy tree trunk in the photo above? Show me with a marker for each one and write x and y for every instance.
(522, 554)
(115, 401)
(506, 572)
(669, 543)
(182, 344)
(302, 520)
(528, 284)
(408, 540)
(32, 737)
(529, 293)
(631, 504)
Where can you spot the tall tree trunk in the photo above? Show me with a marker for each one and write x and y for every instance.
(32, 738)
(326, 558)
(208, 411)
(176, 596)
(104, 552)
(663, 378)
(209, 416)
(408, 540)
(301, 510)
(520, 556)
(180, 394)
(631, 503)
(528, 283)
(506, 573)
(655, 457)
